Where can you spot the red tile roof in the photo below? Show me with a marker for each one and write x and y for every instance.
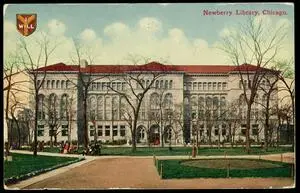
(152, 66)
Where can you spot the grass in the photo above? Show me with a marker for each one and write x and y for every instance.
(182, 169)
(23, 164)
(159, 151)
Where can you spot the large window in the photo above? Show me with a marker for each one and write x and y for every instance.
(107, 130)
(40, 130)
(64, 130)
(100, 108)
(92, 130)
(115, 130)
(115, 107)
(100, 130)
(108, 109)
(122, 130)
(41, 111)
(64, 107)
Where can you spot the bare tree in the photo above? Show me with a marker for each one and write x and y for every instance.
(84, 58)
(252, 43)
(136, 89)
(32, 65)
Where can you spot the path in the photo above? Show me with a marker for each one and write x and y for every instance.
(139, 172)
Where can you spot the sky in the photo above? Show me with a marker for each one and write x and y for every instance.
(174, 33)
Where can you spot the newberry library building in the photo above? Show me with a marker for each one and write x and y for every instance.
(184, 103)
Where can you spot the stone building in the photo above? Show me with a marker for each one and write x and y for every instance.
(189, 102)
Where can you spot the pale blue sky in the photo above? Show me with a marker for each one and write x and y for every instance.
(186, 17)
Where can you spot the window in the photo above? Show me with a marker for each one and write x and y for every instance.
(170, 84)
(216, 131)
(224, 86)
(48, 84)
(156, 84)
(100, 108)
(123, 85)
(92, 130)
(115, 130)
(161, 84)
(94, 86)
(199, 85)
(166, 84)
(219, 85)
(122, 130)
(114, 86)
(255, 129)
(194, 85)
(184, 86)
(214, 86)
(209, 86)
(240, 84)
(115, 107)
(40, 131)
(52, 83)
(107, 130)
(189, 86)
(204, 86)
(104, 86)
(64, 130)
(243, 131)
(100, 132)
(119, 86)
(223, 132)
(108, 108)
(67, 83)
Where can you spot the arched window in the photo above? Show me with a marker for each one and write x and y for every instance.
(62, 84)
(57, 84)
(115, 106)
(100, 108)
(214, 86)
(199, 85)
(219, 85)
(204, 86)
(171, 84)
(168, 101)
(41, 104)
(223, 102)
(64, 107)
(123, 105)
(166, 84)
(53, 115)
(208, 102)
(67, 84)
(161, 84)
(156, 84)
(53, 84)
(48, 84)
(108, 108)
(215, 103)
(201, 107)
(224, 85)
(154, 101)
(209, 86)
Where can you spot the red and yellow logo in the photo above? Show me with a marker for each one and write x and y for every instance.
(26, 23)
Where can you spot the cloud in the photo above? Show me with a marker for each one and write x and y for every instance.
(88, 35)
(56, 27)
(150, 24)
(116, 29)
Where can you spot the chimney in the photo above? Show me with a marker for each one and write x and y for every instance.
(83, 63)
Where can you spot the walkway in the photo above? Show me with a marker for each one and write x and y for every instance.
(139, 172)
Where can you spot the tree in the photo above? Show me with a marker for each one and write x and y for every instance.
(134, 93)
(269, 88)
(46, 46)
(11, 82)
(254, 42)
(84, 81)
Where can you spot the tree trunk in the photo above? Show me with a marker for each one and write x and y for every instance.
(248, 129)
(219, 138)
(85, 137)
(51, 139)
(134, 135)
(35, 125)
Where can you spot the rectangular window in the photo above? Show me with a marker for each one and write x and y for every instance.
(100, 132)
(243, 131)
(209, 86)
(219, 85)
(224, 85)
(114, 86)
(216, 131)
(103, 85)
(115, 130)
(107, 130)
(40, 131)
(122, 130)
(92, 132)
(119, 86)
(99, 87)
(64, 132)
(170, 84)
(184, 86)
(123, 85)
(255, 129)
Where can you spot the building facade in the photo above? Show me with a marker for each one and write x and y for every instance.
(184, 103)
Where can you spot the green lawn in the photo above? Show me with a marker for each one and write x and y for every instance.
(180, 169)
(23, 164)
(203, 151)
